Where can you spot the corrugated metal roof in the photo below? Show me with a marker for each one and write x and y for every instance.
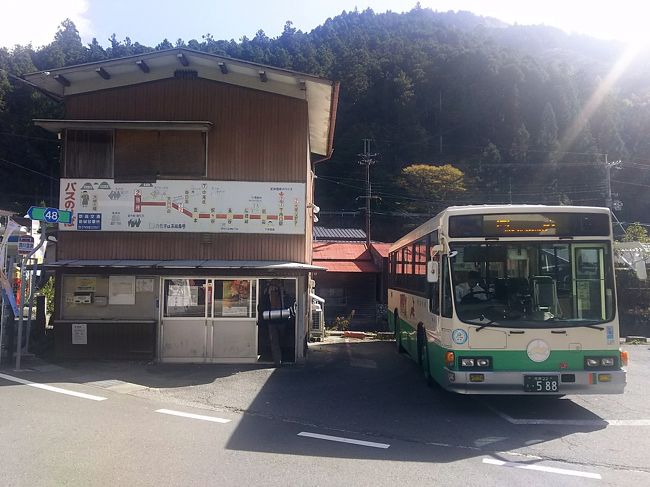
(188, 264)
(345, 234)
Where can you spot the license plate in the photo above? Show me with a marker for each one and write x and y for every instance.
(541, 383)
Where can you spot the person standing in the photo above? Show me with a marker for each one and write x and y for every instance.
(273, 300)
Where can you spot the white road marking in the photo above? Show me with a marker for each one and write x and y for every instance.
(541, 468)
(213, 419)
(344, 440)
(570, 422)
(46, 387)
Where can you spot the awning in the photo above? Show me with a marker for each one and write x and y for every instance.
(186, 264)
(58, 125)
(350, 266)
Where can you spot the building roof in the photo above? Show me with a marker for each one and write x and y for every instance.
(188, 264)
(344, 257)
(321, 94)
(340, 234)
(381, 248)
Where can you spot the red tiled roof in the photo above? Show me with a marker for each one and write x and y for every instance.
(343, 257)
(340, 251)
(381, 248)
(348, 266)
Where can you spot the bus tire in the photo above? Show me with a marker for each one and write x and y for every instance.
(398, 340)
(423, 359)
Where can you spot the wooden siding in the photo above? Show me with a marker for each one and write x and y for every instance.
(183, 246)
(256, 136)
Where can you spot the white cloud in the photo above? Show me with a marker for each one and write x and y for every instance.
(36, 21)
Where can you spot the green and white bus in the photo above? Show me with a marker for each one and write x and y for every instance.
(510, 299)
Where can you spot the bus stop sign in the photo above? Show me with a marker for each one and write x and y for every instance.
(25, 244)
(49, 215)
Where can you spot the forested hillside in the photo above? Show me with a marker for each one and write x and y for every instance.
(528, 113)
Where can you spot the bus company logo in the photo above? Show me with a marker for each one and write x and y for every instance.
(459, 336)
(538, 350)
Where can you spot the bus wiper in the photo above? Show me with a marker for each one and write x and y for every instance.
(486, 324)
(600, 328)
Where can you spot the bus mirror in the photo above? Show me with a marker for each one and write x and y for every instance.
(432, 271)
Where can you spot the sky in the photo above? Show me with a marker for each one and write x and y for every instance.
(150, 21)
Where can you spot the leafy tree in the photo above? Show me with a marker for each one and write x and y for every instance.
(636, 232)
(427, 186)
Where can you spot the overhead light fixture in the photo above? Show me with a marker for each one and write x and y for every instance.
(263, 77)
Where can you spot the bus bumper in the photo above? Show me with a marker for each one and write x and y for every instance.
(569, 382)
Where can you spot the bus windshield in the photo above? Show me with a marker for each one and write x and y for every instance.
(533, 284)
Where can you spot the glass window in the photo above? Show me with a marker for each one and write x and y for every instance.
(185, 298)
(234, 298)
(447, 305)
(533, 283)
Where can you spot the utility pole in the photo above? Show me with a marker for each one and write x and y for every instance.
(609, 203)
(367, 159)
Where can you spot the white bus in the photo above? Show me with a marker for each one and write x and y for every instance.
(510, 299)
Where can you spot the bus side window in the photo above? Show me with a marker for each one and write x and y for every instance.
(447, 292)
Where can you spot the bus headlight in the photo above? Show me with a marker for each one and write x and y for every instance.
(474, 363)
(605, 362)
(467, 362)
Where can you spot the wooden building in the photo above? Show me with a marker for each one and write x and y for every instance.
(191, 181)
(355, 284)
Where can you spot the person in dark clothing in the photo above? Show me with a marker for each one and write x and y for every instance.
(273, 299)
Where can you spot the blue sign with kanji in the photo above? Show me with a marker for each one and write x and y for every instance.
(89, 221)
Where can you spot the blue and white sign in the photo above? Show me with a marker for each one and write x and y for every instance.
(459, 336)
(610, 334)
(89, 221)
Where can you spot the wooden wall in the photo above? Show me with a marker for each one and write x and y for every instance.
(256, 136)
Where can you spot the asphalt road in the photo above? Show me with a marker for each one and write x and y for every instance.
(355, 414)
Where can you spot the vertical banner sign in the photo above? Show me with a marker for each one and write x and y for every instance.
(12, 226)
(185, 206)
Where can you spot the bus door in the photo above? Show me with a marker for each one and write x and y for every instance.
(589, 281)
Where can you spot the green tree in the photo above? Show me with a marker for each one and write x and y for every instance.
(429, 187)
(635, 232)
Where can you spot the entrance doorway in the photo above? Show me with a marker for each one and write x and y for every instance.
(286, 328)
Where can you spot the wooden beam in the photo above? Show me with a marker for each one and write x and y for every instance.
(143, 66)
(103, 73)
(223, 68)
(183, 59)
(62, 79)
(263, 77)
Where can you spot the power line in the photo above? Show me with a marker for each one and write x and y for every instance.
(25, 168)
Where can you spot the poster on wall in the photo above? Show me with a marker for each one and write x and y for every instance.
(86, 284)
(236, 295)
(184, 206)
(121, 290)
(144, 285)
(79, 334)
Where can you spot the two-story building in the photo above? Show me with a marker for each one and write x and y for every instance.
(190, 178)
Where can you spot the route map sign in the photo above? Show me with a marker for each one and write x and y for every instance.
(184, 206)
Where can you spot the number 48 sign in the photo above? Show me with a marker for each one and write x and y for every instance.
(49, 215)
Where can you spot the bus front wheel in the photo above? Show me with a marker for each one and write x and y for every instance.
(398, 339)
(423, 358)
